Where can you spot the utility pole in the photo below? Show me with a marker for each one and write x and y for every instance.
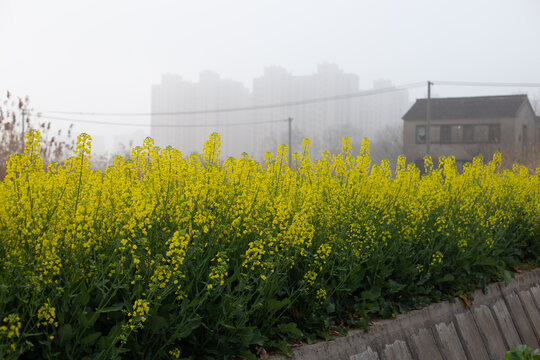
(290, 141)
(428, 117)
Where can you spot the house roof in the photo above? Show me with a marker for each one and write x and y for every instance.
(505, 106)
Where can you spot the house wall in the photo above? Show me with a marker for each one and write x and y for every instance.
(461, 151)
(525, 116)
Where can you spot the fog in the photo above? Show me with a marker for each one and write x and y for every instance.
(107, 56)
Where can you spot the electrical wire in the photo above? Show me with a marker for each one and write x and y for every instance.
(159, 125)
(246, 108)
(43, 113)
(487, 84)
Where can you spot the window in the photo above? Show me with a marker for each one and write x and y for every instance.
(494, 133)
(420, 134)
(456, 133)
(445, 134)
(481, 133)
(468, 133)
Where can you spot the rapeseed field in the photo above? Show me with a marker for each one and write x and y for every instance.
(164, 255)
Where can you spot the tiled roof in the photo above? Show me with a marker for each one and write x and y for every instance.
(467, 107)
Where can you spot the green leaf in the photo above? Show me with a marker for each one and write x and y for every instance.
(281, 345)
(331, 308)
(115, 307)
(84, 297)
(89, 319)
(187, 328)
(274, 305)
(245, 335)
(395, 286)
(448, 277)
(368, 295)
(507, 275)
(91, 339)
(65, 333)
(290, 329)
(248, 355)
(158, 324)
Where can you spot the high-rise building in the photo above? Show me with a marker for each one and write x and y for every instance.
(188, 132)
(310, 120)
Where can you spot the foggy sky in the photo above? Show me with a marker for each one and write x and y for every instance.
(103, 56)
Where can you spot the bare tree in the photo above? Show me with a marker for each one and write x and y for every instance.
(387, 143)
(16, 117)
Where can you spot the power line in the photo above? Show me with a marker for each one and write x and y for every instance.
(487, 84)
(245, 108)
(259, 107)
(159, 125)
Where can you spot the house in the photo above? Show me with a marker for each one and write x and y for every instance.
(468, 126)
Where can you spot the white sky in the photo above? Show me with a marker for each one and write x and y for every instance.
(104, 55)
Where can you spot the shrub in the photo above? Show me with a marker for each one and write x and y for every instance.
(522, 352)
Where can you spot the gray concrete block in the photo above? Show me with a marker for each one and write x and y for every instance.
(521, 281)
(535, 291)
(398, 350)
(493, 293)
(504, 318)
(532, 311)
(521, 320)
(425, 346)
(472, 341)
(450, 345)
(369, 354)
(490, 333)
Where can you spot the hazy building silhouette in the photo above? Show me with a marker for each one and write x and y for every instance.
(318, 120)
(188, 132)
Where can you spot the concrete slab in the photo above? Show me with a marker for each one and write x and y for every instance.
(524, 280)
(532, 311)
(369, 354)
(504, 318)
(450, 345)
(522, 322)
(398, 350)
(425, 346)
(535, 291)
(472, 341)
(493, 292)
(490, 333)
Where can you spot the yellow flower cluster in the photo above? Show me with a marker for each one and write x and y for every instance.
(321, 295)
(11, 326)
(462, 244)
(175, 353)
(46, 315)
(141, 308)
(10, 329)
(436, 258)
(218, 271)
